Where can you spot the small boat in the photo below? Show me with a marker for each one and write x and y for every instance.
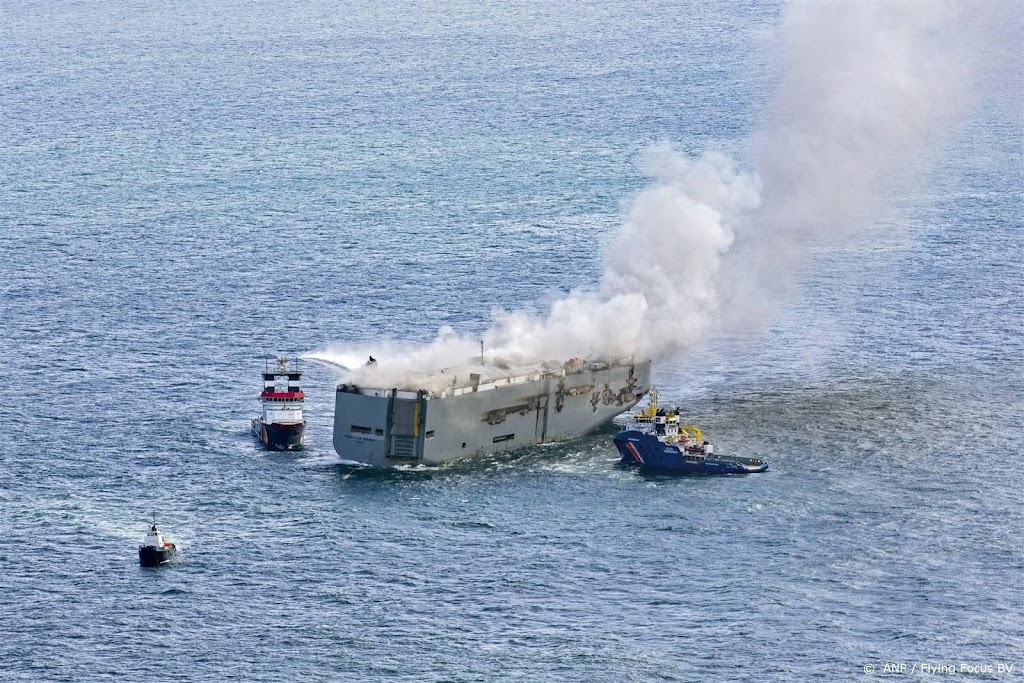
(655, 441)
(280, 424)
(155, 551)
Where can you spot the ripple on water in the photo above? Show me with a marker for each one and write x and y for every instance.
(189, 187)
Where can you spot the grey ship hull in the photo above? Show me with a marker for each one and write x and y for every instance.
(387, 427)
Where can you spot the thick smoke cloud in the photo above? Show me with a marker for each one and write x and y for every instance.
(657, 293)
(866, 93)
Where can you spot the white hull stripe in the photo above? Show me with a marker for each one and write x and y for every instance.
(635, 452)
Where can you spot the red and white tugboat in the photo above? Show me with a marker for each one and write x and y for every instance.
(280, 424)
(156, 551)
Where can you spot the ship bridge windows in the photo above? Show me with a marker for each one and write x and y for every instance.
(276, 415)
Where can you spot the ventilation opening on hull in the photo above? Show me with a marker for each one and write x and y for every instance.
(403, 446)
(356, 429)
(498, 439)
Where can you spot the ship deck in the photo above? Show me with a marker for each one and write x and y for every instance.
(470, 378)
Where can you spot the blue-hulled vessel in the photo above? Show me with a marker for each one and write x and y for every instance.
(655, 441)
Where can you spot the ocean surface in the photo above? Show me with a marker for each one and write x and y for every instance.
(186, 187)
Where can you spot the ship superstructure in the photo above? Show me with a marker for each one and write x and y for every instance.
(478, 409)
(280, 424)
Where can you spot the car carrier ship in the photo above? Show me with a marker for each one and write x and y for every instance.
(474, 410)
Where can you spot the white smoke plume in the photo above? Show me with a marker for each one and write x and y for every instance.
(865, 91)
(868, 93)
(657, 293)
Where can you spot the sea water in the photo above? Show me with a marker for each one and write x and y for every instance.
(187, 187)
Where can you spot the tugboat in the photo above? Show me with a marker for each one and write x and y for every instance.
(280, 424)
(654, 441)
(155, 551)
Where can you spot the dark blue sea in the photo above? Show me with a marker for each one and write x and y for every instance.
(187, 187)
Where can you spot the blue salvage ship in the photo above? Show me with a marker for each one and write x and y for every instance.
(654, 441)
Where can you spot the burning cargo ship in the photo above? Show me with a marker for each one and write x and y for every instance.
(474, 410)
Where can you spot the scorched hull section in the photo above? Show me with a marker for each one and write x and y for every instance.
(387, 427)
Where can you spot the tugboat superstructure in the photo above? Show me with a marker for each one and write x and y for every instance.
(280, 424)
